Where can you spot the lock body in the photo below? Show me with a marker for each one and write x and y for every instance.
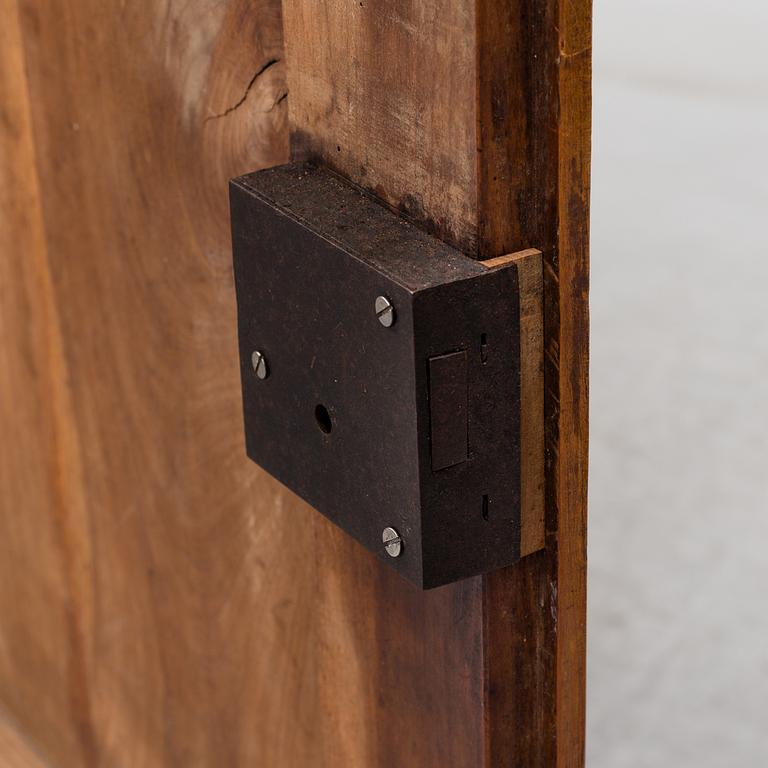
(391, 398)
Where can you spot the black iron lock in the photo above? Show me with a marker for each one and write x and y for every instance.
(380, 373)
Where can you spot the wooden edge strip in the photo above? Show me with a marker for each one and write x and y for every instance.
(531, 281)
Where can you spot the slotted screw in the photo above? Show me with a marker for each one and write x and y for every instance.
(385, 311)
(393, 544)
(259, 363)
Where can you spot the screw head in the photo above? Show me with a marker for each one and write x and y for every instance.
(259, 363)
(393, 544)
(385, 311)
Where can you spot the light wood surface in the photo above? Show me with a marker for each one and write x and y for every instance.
(15, 751)
(154, 585)
(384, 91)
(162, 601)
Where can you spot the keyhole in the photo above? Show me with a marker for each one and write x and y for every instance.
(323, 419)
(485, 506)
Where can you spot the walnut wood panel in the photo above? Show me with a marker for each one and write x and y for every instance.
(15, 752)
(354, 70)
(382, 90)
(155, 587)
(162, 601)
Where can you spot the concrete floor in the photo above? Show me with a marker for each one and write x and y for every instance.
(678, 581)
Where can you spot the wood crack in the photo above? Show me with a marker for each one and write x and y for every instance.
(239, 103)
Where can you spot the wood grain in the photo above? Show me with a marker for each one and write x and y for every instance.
(15, 751)
(524, 98)
(382, 90)
(153, 583)
(162, 601)
(571, 268)
(535, 117)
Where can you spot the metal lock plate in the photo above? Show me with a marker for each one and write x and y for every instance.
(380, 373)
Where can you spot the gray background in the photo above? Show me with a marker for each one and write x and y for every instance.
(678, 579)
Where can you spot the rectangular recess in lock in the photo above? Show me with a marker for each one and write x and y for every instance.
(448, 398)
(380, 372)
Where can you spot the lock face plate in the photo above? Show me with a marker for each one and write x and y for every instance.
(415, 426)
